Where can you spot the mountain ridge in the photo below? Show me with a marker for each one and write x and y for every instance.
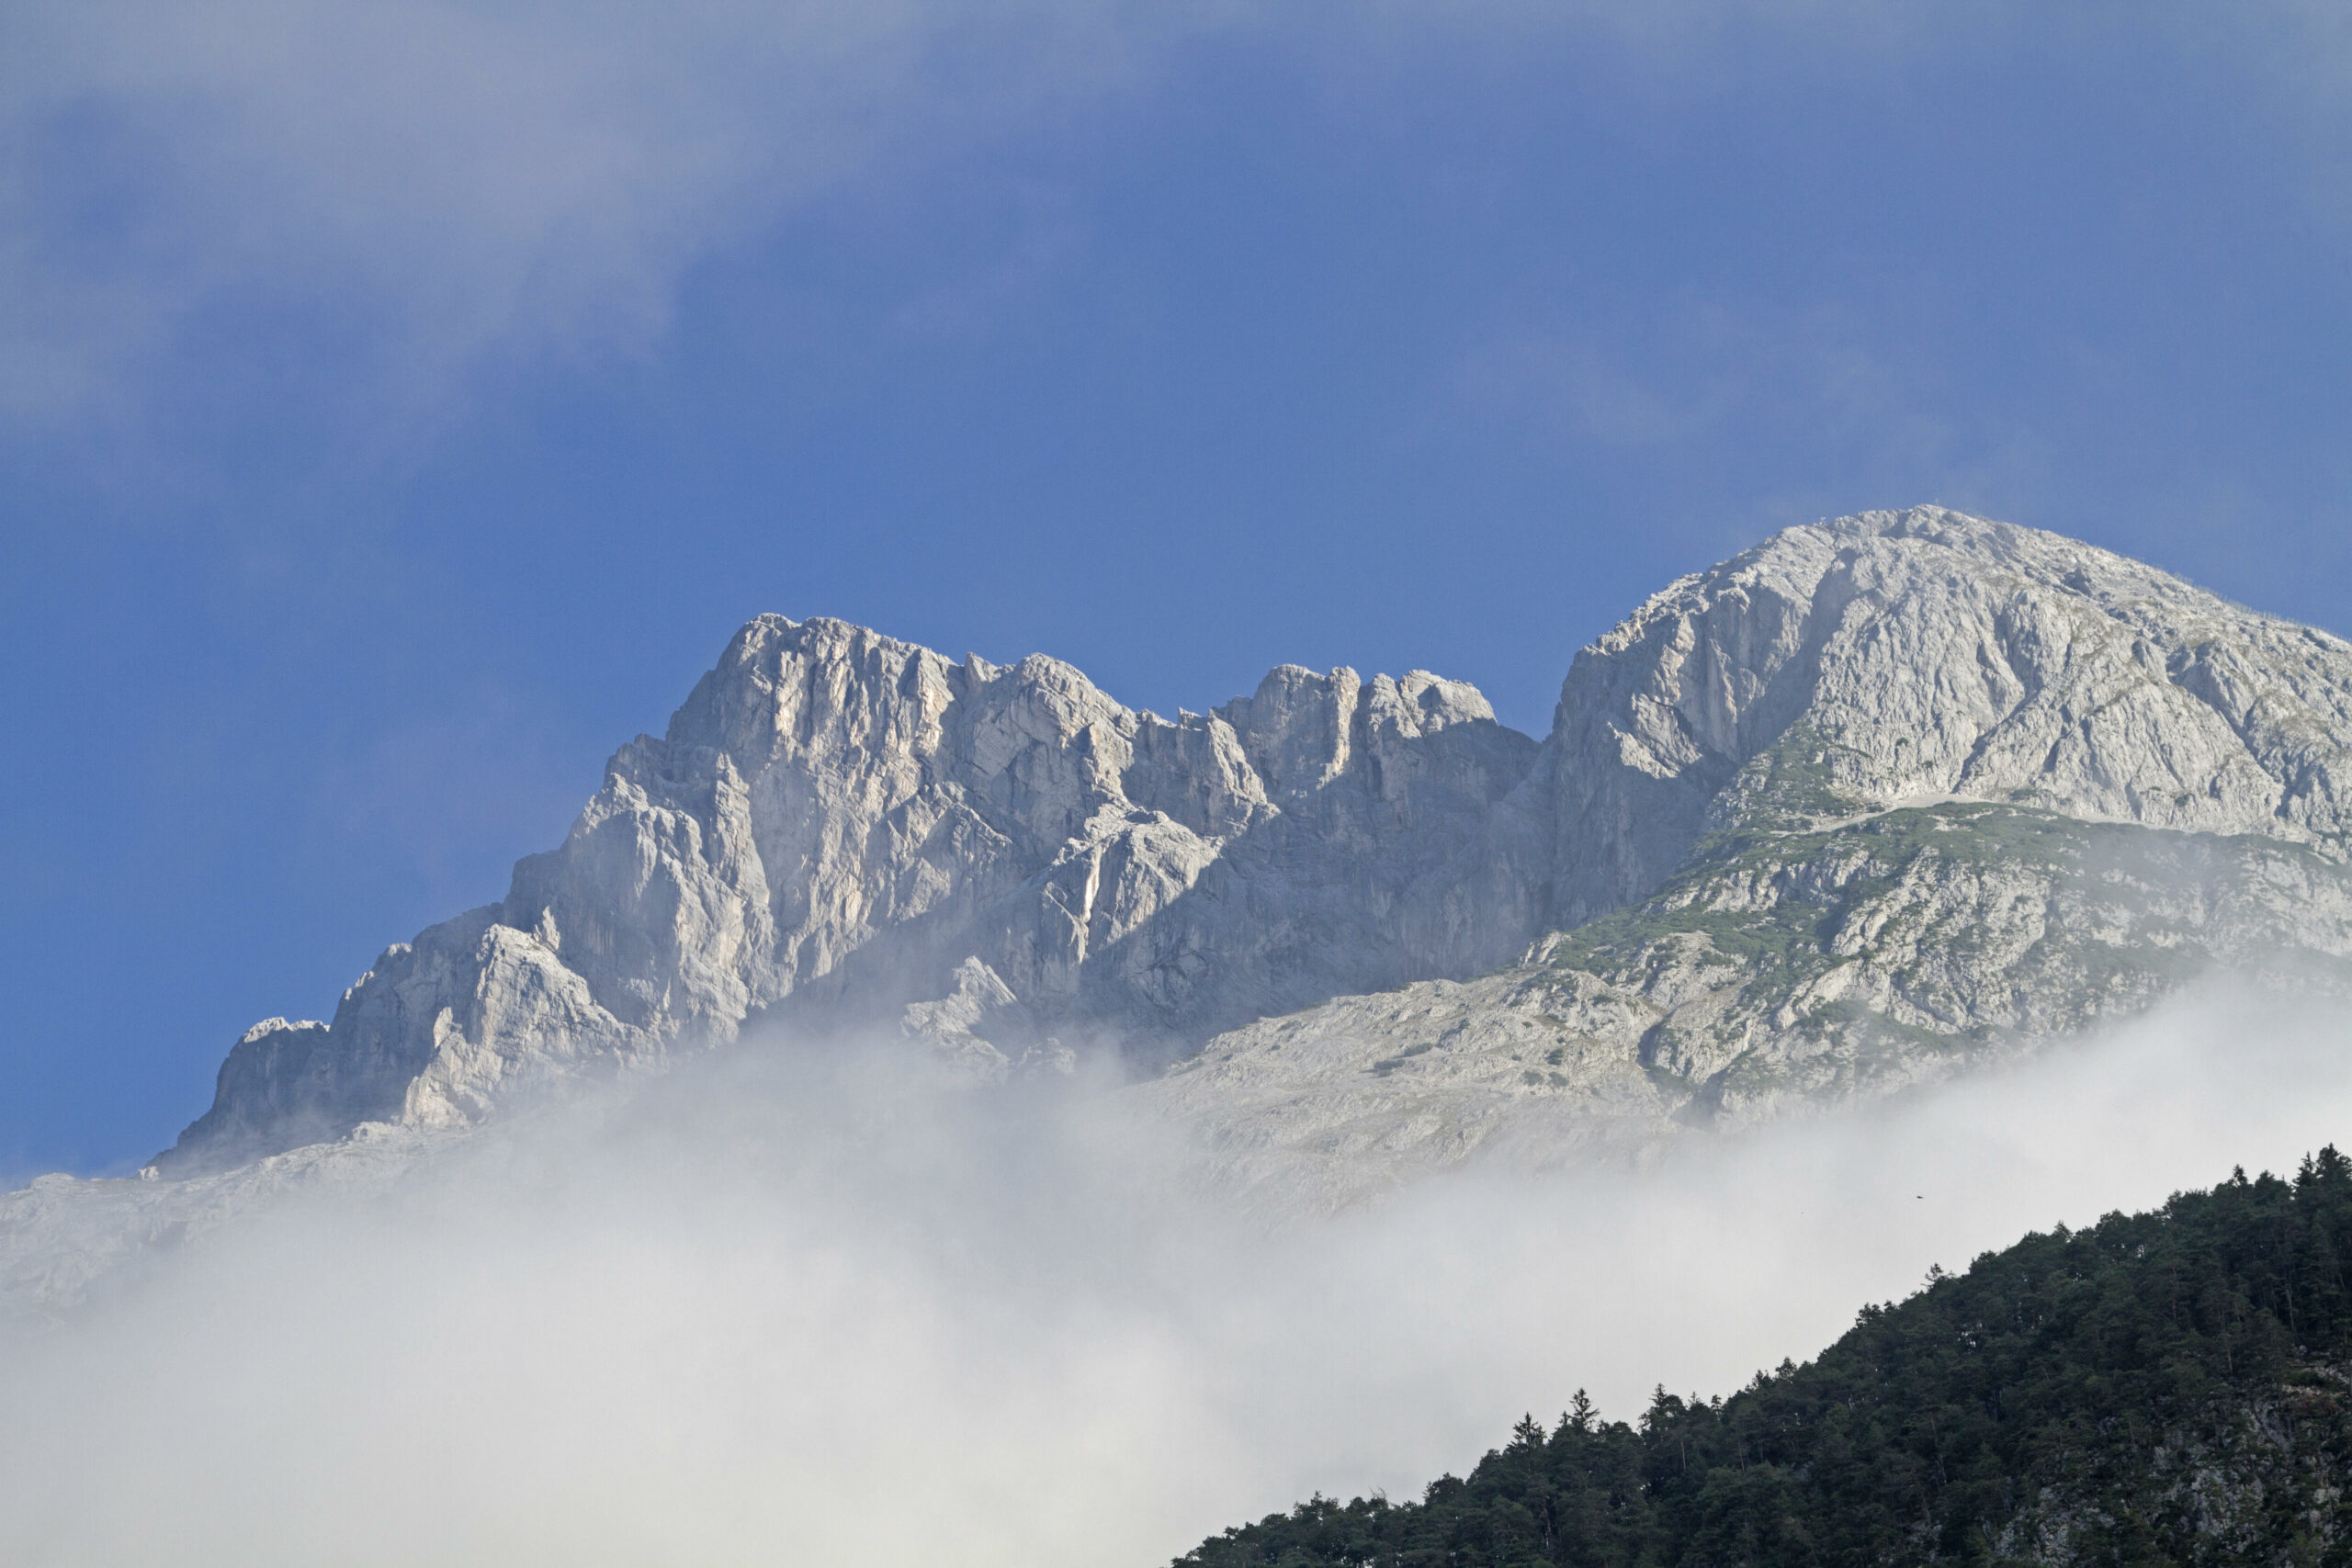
(841, 829)
(921, 816)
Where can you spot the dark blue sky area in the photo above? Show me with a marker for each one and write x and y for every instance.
(368, 479)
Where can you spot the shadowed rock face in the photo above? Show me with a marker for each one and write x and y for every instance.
(838, 821)
(1001, 859)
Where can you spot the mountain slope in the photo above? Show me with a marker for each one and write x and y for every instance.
(838, 824)
(2169, 1387)
(1898, 659)
(1879, 798)
(1875, 798)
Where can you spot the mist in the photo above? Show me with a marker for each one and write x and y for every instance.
(822, 1306)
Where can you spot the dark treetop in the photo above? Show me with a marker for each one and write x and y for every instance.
(2168, 1387)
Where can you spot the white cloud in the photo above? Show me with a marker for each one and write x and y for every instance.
(780, 1309)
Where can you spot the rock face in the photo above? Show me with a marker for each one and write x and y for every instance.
(1789, 971)
(1877, 797)
(841, 825)
(1900, 659)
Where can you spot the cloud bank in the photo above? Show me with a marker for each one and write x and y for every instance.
(791, 1305)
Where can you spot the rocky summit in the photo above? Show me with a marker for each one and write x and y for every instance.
(840, 831)
(1879, 798)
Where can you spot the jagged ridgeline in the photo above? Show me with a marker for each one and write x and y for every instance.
(2172, 1387)
(1877, 799)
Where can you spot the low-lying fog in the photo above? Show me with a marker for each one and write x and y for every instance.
(781, 1308)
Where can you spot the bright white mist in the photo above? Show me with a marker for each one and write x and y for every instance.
(822, 1309)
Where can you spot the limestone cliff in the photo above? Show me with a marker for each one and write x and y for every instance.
(1877, 798)
(842, 826)
(1874, 800)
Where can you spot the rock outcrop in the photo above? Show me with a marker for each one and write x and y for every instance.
(843, 826)
(1899, 659)
(1880, 798)
(1874, 799)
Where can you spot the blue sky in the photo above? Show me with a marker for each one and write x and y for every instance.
(401, 403)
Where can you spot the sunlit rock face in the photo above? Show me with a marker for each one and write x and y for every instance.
(1905, 658)
(844, 826)
(1879, 797)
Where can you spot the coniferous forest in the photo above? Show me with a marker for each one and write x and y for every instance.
(2173, 1387)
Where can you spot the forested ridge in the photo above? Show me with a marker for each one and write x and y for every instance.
(2171, 1387)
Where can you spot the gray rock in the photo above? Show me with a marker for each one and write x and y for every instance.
(846, 828)
(1881, 798)
(1900, 658)
(1877, 798)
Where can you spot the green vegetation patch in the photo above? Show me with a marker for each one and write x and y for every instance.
(1944, 902)
(1792, 782)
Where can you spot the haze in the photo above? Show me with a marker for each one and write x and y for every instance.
(822, 1306)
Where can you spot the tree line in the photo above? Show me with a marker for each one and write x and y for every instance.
(2170, 1387)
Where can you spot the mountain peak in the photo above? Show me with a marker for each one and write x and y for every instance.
(840, 824)
(839, 827)
(1845, 667)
